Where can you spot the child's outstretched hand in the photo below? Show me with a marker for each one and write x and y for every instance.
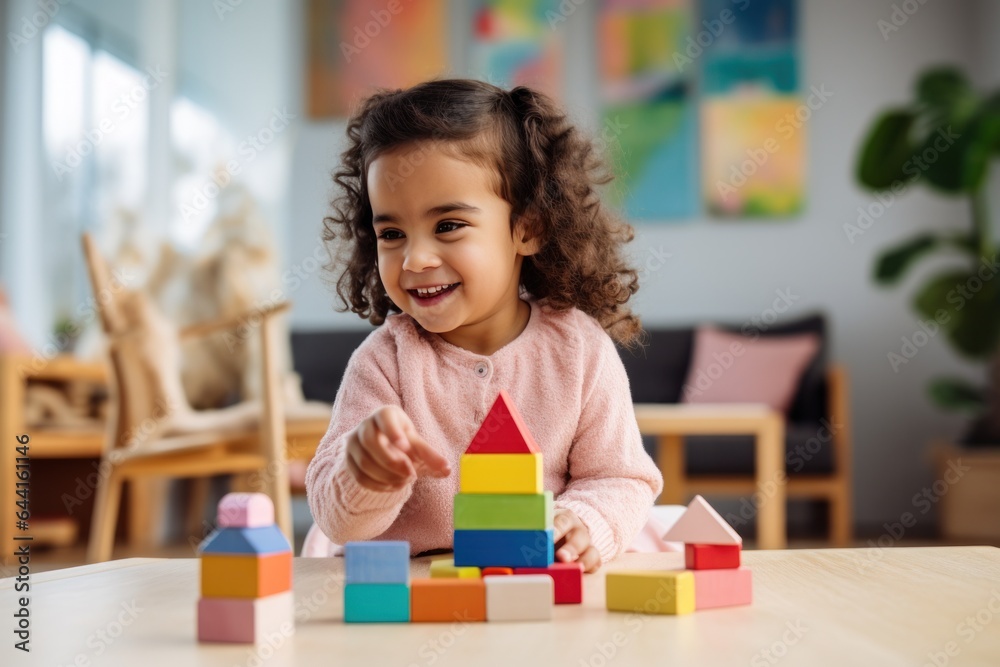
(385, 452)
(572, 540)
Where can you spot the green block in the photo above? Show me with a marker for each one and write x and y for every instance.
(495, 511)
(376, 603)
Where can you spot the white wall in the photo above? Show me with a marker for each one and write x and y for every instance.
(731, 270)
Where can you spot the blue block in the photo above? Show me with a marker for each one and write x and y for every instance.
(377, 562)
(261, 540)
(503, 548)
(376, 603)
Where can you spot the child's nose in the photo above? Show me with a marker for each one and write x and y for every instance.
(420, 255)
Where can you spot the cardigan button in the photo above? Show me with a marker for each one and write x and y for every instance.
(482, 369)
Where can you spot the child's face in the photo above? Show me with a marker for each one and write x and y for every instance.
(440, 223)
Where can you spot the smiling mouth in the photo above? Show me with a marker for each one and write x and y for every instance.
(429, 296)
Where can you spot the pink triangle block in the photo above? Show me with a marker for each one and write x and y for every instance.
(701, 524)
(503, 431)
(245, 510)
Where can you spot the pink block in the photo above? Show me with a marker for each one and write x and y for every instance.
(245, 510)
(722, 588)
(245, 620)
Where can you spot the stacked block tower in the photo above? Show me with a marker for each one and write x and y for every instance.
(503, 566)
(246, 574)
(377, 586)
(713, 576)
(503, 516)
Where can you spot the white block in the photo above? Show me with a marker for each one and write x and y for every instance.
(519, 597)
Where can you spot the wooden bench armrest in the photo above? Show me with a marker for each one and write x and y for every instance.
(58, 368)
(223, 323)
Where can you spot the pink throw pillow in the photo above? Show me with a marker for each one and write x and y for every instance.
(730, 368)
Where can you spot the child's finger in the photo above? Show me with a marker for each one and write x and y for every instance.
(368, 465)
(388, 456)
(363, 479)
(392, 421)
(423, 451)
(590, 559)
(577, 541)
(562, 523)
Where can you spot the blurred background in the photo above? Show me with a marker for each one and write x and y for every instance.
(810, 179)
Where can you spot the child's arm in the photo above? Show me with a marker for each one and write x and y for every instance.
(613, 481)
(368, 428)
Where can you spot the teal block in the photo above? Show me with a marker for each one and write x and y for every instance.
(503, 511)
(376, 603)
(260, 540)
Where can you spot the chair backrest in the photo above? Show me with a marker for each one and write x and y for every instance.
(145, 357)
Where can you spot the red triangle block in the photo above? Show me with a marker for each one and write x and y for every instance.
(503, 431)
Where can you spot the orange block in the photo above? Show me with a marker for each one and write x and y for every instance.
(245, 575)
(444, 600)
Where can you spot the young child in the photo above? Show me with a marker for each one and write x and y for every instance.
(469, 212)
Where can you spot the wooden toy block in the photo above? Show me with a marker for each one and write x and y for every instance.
(712, 556)
(646, 592)
(567, 579)
(377, 603)
(722, 588)
(377, 562)
(244, 621)
(493, 511)
(701, 524)
(446, 600)
(503, 548)
(444, 568)
(500, 473)
(245, 510)
(245, 576)
(503, 431)
(261, 540)
(521, 597)
(497, 571)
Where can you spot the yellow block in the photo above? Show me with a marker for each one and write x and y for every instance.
(501, 473)
(444, 568)
(646, 592)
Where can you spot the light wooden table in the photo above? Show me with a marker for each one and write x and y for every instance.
(826, 607)
(671, 422)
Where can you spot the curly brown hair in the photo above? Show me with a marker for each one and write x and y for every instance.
(546, 170)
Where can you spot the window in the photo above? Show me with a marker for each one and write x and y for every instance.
(95, 135)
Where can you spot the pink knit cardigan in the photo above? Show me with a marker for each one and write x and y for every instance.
(565, 378)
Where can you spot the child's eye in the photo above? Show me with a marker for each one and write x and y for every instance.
(449, 223)
(387, 234)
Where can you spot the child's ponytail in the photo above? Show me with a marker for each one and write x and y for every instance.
(580, 263)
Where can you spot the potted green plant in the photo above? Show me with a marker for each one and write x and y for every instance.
(947, 138)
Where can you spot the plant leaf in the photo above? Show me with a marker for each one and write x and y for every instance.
(886, 150)
(957, 394)
(942, 86)
(967, 307)
(893, 263)
(956, 159)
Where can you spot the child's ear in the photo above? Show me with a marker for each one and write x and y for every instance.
(527, 236)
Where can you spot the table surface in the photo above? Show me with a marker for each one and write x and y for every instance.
(897, 606)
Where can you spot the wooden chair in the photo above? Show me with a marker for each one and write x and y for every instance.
(154, 432)
(835, 487)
